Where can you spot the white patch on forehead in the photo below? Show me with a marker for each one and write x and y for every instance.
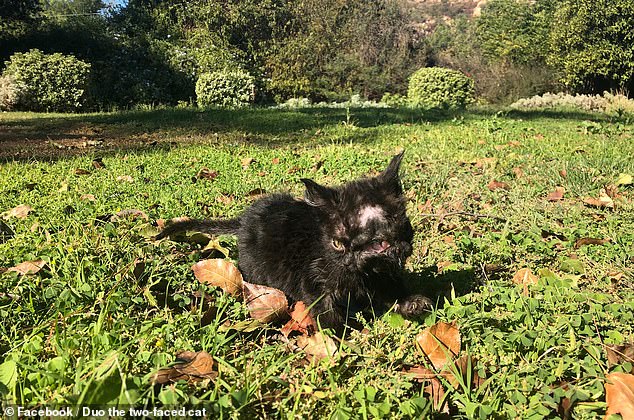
(368, 213)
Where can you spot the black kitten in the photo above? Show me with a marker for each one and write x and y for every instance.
(340, 249)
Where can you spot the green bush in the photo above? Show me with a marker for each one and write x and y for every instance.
(228, 88)
(436, 87)
(48, 82)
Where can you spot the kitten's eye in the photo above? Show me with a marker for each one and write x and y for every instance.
(338, 245)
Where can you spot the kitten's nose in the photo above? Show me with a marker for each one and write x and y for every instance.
(380, 246)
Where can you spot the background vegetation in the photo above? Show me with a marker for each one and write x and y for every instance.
(149, 52)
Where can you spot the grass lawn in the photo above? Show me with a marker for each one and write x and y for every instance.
(110, 307)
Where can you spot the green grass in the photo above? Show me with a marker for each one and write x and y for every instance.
(111, 307)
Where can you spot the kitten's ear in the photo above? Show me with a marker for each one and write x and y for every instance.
(390, 174)
(318, 195)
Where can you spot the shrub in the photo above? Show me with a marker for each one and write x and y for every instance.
(228, 88)
(611, 103)
(436, 87)
(48, 82)
(394, 100)
(9, 93)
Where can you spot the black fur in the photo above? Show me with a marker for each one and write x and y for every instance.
(339, 249)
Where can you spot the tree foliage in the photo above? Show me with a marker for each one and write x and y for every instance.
(592, 42)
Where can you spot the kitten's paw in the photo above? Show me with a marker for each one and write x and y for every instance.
(414, 305)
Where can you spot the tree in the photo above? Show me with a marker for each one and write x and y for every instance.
(592, 43)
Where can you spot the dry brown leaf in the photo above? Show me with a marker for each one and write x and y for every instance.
(563, 173)
(604, 200)
(556, 195)
(525, 277)
(590, 241)
(125, 178)
(206, 173)
(225, 199)
(620, 354)
(19, 212)
(317, 346)
(80, 171)
(497, 185)
(132, 214)
(196, 367)
(301, 321)
(619, 395)
(439, 343)
(87, 197)
(275, 161)
(219, 273)
(265, 304)
(28, 267)
(519, 173)
(97, 163)
(256, 193)
(246, 162)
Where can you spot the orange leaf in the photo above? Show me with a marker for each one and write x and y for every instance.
(439, 343)
(220, 273)
(206, 173)
(590, 241)
(265, 303)
(301, 321)
(525, 277)
(28, 267)
(619, 395)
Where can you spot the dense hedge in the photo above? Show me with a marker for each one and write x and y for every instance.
(227, 88)
(48, 82)
(436, 87)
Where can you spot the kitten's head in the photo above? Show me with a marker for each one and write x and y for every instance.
(367, 228)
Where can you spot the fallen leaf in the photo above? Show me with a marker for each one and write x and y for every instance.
(97, 163)
(275, 161)
(604, 200)
(87, 197)
(125, 178)
(293, 169)
(612, 191)
(131, 214)
(563, 173)
(618, 354)
(206, 173)
(219, 273)
(619, 395)
(525, 277)
(590, 241)
(556, 195)
(63, 187)
(439, 343)
(19, 212)
(246, 162)
(225, 199)
(256, 193)
(265, 304)
(28, 267)
(80, 171)
(624, 179)
(301, 321)
(519, 173)
(195, 368)
(317, 346)
(497, 185)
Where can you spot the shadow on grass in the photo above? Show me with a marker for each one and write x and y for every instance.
(429, 282)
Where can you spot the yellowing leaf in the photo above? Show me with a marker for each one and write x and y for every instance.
(440, 343)
(220, 273)
(246, 162)
(604, 200)
(624, 179)
(265, 304)
(125, 178)
(619, 395)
